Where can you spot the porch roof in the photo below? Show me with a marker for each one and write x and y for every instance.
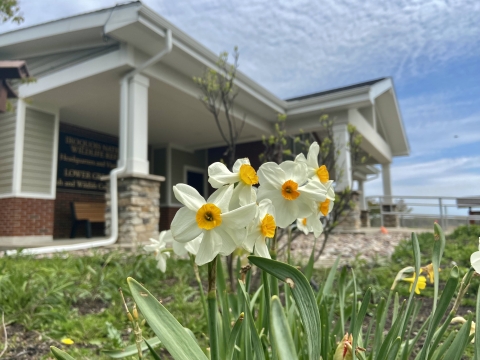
(78, 61)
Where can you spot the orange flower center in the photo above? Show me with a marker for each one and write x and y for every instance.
(208, 217)
(289, 190)
(248, 174)
(324, 207)
(268, 226)
(304, 221)
(323, 174)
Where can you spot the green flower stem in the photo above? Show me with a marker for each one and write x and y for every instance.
(273, 280)
(463, 289)
(212, 309)
(200, 286)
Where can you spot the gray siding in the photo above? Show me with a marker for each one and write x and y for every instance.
(7, 147)
(38, 152)
(160, 168)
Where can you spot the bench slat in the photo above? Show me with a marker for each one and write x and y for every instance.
(94, 212)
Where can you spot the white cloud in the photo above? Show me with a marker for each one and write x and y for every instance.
(443, 177)
(296, 47)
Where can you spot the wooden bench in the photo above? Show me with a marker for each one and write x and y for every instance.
(88, 213)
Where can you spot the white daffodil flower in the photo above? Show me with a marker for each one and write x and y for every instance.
(287, 186)
(310, 224)
(222, 230)
(182, 249)
(321, 172)
(475, 259)
(243, 174)
(158, 247)
(263, 226)
(325, 207)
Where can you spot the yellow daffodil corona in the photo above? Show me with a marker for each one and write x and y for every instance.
(421, 283)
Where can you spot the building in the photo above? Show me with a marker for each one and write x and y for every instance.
(63, 137)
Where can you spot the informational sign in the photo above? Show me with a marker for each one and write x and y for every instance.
(82, 162)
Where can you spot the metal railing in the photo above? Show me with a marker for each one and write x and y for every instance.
(410, 214)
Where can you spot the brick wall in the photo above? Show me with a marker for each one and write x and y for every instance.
(63, 214)
(166, 216)
(26, 217)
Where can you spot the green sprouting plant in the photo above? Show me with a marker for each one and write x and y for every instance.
(283, 318)
(286, 319)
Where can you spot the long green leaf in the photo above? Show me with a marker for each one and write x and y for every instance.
(311, 261)
(477, 332)
(304, 299)
(59, 354)
(255, 339)
(362, 312)
(281, 332)
(447, 295)
(152, 352)
(438, 248)
(392, 353)
(131, 349)
(327, 286)
(460, 342)
(233, 337)
(173, 336)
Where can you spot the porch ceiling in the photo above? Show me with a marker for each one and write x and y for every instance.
(174, 116)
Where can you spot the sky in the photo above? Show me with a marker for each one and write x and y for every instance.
(431, 49)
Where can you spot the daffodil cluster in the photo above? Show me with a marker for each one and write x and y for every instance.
(238, 214)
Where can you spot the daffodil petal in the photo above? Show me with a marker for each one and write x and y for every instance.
(245, 194)
(240, 217)
(317, 226)
(162, 263)
(261, 248)
(179, 248)
(238, 164)
(314, 190)
(302, 227)
(312, 156)
(229, 242)
(188, 196)
(267, 193)
(475, 261)
(286, 211)
(193, 246)
(251, 239)
(271, 176)
(300, 158)
(221, 197)
(265, 207)
(209, 247)
(295, 171)
(184, 225)
(306, 207)
(219, 175)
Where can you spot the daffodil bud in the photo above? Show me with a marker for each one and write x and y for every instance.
(135, 312)
(344, 349)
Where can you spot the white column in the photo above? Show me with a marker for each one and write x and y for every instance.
(361, 199)
(387, 183)
(137, 137)
(343, 166)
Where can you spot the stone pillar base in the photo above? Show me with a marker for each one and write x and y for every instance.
(365, 218)
(351, 218)
(390, 220)
(138, 208)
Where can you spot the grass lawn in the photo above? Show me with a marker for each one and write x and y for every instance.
(47, 299)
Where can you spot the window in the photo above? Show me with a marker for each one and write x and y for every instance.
(195, 177)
